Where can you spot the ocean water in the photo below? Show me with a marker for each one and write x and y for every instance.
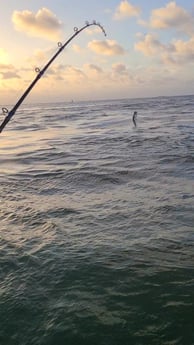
(97, 223)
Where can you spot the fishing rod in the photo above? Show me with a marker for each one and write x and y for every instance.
(9, 114)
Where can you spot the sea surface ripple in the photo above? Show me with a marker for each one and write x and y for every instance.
(97, 223)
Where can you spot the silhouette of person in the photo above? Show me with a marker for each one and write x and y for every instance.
(134, 117)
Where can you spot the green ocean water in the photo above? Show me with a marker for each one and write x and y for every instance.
(97, 224)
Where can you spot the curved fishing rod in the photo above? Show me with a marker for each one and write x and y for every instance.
(10, 114)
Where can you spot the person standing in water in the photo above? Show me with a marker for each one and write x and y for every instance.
(134, 117)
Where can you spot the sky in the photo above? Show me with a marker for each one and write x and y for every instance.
(148, 50)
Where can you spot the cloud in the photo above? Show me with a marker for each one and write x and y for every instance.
(93, 72)
(67, 73)
(88, 75)
(8, 71)
(39, 57)
(184, 51)
(4, 66)
(172, 16)
(126, 10)
(94, 68)
(93, 30)
(121, 73)
(108, 47)
(119, 68)
(9, 75)
(178, 52)
(77, 49)
(149, 45)
(42, 24)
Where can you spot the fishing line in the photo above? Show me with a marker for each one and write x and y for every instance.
(9, 114)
